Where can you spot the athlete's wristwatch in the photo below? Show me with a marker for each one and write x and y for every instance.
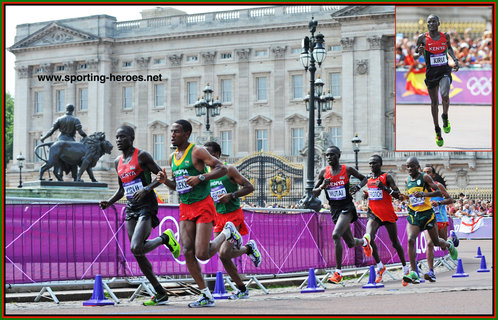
(147, 188)
(201, 177)
(233, 195)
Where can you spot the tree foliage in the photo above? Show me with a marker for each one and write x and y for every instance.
(9, 127)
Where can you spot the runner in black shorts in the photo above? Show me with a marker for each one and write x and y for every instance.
(134, 168)
(435, 46)
(334, 179)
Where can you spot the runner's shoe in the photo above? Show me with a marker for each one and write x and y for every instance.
(336, 278)
(255, 254)
(453, 251)
(235, 236)
(446, 123)
(411, 277)
(157, 300)
(454, 236)
(439, 137)
(239, 295)
(203, 301)
(379, 274)
(368, 248)
(430, 276)
(171, 243)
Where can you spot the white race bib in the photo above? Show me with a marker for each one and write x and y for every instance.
(416, 201)
(181, 185)
(337, 193)
(132, 187)
(374, 194)
(439, 59)
(217, 192)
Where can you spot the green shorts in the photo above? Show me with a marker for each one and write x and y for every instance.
(425, 220)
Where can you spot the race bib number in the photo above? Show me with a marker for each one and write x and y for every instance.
(416, 201)
(217, 192)
(337, 193)
(439, 60)
(181, 185)
(374, 194)
(132, 187)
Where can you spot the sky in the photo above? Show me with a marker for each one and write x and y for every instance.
(20, 14)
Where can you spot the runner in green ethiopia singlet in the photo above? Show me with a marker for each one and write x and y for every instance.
(420, 211)
(220, 187)
(182, 168)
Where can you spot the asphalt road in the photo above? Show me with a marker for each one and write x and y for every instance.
(471, 128)
(473, 295)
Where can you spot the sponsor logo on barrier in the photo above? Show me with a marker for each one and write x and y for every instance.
(479, 86)
(421, 244)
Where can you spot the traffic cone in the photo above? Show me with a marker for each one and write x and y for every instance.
(371, 280)
(422, 280)
(459, 273)
(483, 265)
(98, 298)
(479, 254)
(219, 287)
(312, 287)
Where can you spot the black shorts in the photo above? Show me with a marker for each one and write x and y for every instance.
(433, 81)
(145, 212)
(346, 209)
(372, 216)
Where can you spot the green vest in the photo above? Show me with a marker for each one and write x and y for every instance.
(218, 188)
(417, 204)
(185, 167)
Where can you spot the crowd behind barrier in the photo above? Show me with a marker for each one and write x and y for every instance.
(75, 241)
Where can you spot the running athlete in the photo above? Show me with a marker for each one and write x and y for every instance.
(134, 169)
(335, 180)
(381, 187)
(421, 217)
(439, 207)
(225, 193)
(435, 46)
(197, 211)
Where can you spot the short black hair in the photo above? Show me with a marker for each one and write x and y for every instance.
(213, 145)
(378, 157)
(187, 127)
(129, 131)
(433, 15)
(335, 148)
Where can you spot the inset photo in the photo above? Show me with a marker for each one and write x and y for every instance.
(444, 83)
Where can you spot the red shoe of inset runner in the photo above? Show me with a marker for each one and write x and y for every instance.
(379, 274)
(336, 278)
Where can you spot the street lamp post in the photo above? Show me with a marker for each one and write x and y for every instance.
(323, 102)
(313, 52)
(356, 147)
(206, 105)
(20, 163)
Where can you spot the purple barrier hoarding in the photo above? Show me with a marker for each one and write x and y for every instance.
(55, 242)
(469, 86)
(485, 230)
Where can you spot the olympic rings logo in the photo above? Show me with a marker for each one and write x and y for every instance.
(177, 236)
(481, 86)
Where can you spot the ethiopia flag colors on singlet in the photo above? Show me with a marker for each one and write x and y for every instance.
(183, 168)
(412, 186)
(220, 187)
(133, 177)
(379, 201)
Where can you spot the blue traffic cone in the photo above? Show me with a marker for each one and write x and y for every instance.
(483, 265)
(98, 298)
(422, 280)
(219, 287)
(371, 280)
(312, 287)
(459, 273)
(479, 254)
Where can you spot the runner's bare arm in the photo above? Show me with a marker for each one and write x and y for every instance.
(419, 46)
(117, 195)
(321, 184)
(235, 176)
(451, 53)
(146, 162)
(202, 158)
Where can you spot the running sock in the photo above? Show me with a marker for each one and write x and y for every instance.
(165, 238)
(365, 242)
(380, 265)
(160, 290)
(339, 271)
(242, 288)
(405, 269)
(226, 232)
(249, 249)
(207, 293)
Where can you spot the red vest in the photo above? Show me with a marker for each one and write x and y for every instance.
(379, 201)
(129, 174)
(433, 46)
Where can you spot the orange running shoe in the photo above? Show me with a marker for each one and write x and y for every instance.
(368, 248)
(336, 278)
(403, 282)
(379, 274)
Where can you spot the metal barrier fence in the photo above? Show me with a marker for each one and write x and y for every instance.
(59, 241)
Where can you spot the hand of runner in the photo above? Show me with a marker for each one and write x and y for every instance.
(104, 204)
(225, 198)
(192, 180)
(162, 176)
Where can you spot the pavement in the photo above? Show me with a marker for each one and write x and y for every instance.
(468, 296)
(471, 128)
